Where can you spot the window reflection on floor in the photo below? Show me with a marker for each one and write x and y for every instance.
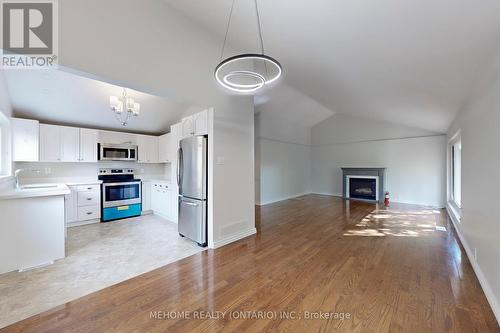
(396, 222)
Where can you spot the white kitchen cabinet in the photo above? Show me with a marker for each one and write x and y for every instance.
(146, 196)
(172, 199)
(59, 143)
(200, 121)
(83, 205)
(164, 146)
(196, 124)
(148, 148)
(187, 127)
(70, 144)
(67, 144)
(117, 137)
(88, 145)
(71, 206)
(161, 200)
(25, 136)
(50, 143)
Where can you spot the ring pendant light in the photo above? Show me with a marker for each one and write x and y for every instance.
(248, 72)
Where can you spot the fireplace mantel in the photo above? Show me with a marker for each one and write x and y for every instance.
(360, 171)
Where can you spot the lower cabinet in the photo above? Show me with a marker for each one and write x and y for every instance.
(164, 200)
(146, 197)
(83, 205)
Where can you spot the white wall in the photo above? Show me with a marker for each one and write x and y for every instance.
(479, 124)
(5, 138)
(150, 47)
(282, 159)
(415, 159)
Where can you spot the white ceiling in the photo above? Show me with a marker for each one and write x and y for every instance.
(286, 102)
(64, 98)
(415, 62)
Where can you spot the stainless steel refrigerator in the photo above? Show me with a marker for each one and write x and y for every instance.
(192, 181)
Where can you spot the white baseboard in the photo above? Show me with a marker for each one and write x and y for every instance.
(490, 296)
(281, 199)
(440, 206)
(234, 238)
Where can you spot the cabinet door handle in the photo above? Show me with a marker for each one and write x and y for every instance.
(89, 199)
(89, 213)
(89, 188)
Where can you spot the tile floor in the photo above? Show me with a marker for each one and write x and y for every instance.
(97, 256)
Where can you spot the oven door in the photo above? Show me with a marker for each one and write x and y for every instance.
(119, 194)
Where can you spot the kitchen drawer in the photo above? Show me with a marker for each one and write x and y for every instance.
(93, 187)
(89, 198)
(89, 212)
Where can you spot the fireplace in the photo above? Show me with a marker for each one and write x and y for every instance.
(363, 188)
(364, 183)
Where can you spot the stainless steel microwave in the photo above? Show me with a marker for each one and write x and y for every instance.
(117, 152)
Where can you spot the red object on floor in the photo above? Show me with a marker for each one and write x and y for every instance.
(386, 200)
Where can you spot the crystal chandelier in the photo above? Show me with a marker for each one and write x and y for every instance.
(132, 108)
(247, 73)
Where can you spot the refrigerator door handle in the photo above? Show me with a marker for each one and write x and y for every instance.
(190, 203)
(179, 168)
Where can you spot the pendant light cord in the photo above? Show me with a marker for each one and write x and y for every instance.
(227, 30)
(229, 24)
(259, 27)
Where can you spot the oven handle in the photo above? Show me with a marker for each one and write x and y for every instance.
(122, 183)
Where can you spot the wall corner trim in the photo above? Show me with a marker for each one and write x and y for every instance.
(234, 238)
(490, 296)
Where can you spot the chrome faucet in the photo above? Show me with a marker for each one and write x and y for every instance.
(18, 171)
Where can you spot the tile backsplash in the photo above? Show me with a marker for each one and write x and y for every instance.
(86, 170)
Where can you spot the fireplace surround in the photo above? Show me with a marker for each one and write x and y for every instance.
(364, 184)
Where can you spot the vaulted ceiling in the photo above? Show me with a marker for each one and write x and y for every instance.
(413, 62)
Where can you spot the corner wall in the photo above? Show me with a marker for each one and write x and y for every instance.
(282, 159)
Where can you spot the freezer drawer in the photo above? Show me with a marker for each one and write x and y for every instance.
(192, 219)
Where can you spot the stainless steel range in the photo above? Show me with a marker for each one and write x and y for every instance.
(121, 194)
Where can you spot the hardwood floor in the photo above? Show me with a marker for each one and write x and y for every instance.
(389, 270)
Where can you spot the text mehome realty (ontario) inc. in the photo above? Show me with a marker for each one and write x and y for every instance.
(243, 315)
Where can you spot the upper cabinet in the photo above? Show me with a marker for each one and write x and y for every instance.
(148, 148)
(70, 144)
(196, 124)
(50, 143)
(164, 143)
(67, 144)
(88, 145)
(25, 134)
(200, 121)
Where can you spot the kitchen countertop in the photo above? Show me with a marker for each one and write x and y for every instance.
(52, 189)
(154, 178)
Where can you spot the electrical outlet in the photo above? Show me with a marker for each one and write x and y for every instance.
(48, 171)
(220, 160)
